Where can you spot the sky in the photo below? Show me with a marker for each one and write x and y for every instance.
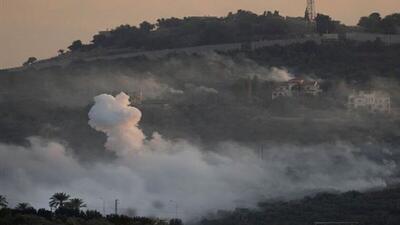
(41, 27)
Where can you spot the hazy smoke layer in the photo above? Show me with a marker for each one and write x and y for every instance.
(148, 174)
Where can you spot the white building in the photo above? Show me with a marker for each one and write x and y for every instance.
(311, 88)
(374, 102)
(296, 87)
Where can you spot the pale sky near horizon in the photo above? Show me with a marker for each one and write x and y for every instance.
(40, 27)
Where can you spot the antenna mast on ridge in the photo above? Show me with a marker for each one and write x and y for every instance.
(311, 12)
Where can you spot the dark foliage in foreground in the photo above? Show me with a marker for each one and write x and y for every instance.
(371, 208)
(64, 216)
(67, 211)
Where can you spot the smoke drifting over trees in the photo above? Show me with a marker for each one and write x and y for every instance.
(156, 170)
(206, 133)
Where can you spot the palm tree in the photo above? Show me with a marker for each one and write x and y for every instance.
(75, 203)
(58, 200)
(3, 202)
(23, 206)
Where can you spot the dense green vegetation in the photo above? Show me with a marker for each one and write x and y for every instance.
(191, 31)
(325, 24)
(376, 24)
(354, 62)
(241, 26)
(68, 212)
(371, 208)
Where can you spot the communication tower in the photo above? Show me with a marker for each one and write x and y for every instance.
(311, 12)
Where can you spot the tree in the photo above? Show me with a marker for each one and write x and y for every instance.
(146, 26)
(371, 23)
(61, 51)
(325, 24)
(99, 40)
(92, 214)
(30, 61)
(45, 213)
(76, 45)
(58, 200)
(23, 206)
(374, 23)
(388, 26)
(168, 23)
(75, 203)
(3, 202)
(391, 23)
(175, 221)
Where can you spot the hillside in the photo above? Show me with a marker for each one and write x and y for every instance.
(269, 121)
(216, 87)
(370, 208)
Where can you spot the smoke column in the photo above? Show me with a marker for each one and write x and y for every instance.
(114, 117)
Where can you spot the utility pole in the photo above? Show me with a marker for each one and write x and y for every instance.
(176, 208)
(116, 207)
(104, 206)
(262, 152)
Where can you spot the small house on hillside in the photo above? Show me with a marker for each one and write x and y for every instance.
(373, 102)
(296, 87)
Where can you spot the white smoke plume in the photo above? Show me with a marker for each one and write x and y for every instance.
(219, 66)
(150, 176)
(273, 74)
(207, 90)
(114, 117)
(176, 91)
(279, 74)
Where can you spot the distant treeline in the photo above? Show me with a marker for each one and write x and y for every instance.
(371, 208)
(241, 26)
(376, 24)
(191, 31)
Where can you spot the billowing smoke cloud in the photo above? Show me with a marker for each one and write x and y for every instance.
(114, 117)
(150, 175)
(215, 66)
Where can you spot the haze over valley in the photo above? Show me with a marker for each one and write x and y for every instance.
(242, 119)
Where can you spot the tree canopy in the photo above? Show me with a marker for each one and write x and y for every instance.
(325, 24)
(58, 200)
(191, 31)
(75, 203)
(76, 45)
(375, 23)
(3, 201)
